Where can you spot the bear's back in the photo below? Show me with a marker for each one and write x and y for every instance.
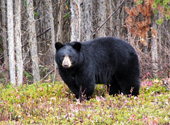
(109, 42)
(107, 46)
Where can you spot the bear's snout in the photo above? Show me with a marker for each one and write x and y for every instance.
(66, 62)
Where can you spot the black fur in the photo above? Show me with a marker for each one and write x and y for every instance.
(58, 45)
(105, 60)
(77, 46)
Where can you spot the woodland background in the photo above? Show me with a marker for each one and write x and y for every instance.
(30, 28)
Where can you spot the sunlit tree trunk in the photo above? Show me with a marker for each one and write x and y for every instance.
(18, 42)
(10, 27)
(33, 41)
(4, 39)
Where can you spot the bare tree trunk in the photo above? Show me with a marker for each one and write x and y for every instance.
(110, 9)
(160, 49)
(4, 38)
(33, 41)
(50, 13)
(10, 23)
(49, 5)
(81, 11)
(88, 19)
(81, 20)
(154, 51)
(18, 42)
(60, 32)
(102, 17)
(118, 20)
(74, 20)
(154, 45)
(85, 20)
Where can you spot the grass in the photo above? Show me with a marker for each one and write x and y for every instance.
(54, 104)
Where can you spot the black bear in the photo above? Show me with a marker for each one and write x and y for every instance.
(106, 60)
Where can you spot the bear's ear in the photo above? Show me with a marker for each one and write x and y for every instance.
(58, 45)
(77, 46)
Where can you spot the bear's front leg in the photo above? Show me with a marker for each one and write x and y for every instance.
(86, 86)
(86, 89)
(80, 95)
(70, 82)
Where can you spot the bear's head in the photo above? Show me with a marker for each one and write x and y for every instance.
(67, 55)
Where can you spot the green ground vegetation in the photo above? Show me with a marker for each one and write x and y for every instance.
(53, 103)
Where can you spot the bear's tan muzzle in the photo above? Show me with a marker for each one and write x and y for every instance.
(66, 62)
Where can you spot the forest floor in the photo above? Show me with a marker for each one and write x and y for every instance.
(53, 103)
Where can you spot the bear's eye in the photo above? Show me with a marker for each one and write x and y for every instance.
(63, 56)
(70, 57)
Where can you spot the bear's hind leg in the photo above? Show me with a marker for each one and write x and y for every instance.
(113, 87)
(130, 86)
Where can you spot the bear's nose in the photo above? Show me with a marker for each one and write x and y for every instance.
(66, 66)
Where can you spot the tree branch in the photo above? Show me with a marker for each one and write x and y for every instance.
(47, 75)
(43, 32)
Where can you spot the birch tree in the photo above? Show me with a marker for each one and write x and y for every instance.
(4, 39)
(18, 42)
(10, 28)
(33, 41)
